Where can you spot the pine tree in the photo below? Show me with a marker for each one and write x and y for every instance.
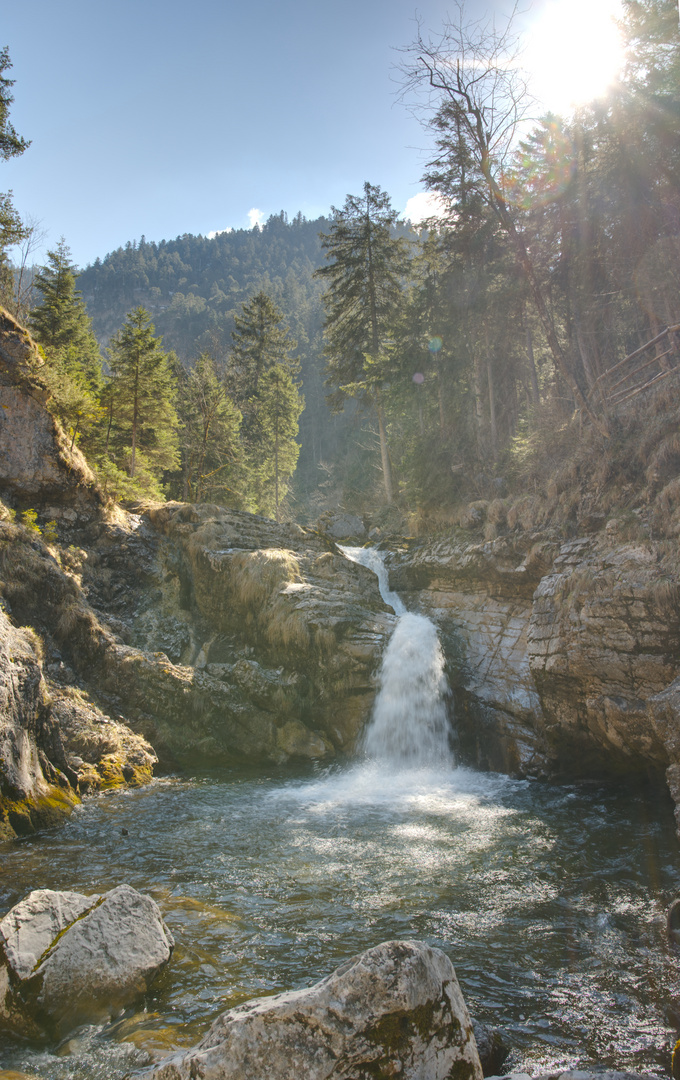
(364, 289)
(210, 450)
(11, 145)
(260, 343)
(141, 434)
(61, 325)
(60, 321)
(280, 405)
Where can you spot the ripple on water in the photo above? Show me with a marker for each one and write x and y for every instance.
(549, 901)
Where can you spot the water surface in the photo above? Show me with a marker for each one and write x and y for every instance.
(550, 902)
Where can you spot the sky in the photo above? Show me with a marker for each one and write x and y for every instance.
(161, 118)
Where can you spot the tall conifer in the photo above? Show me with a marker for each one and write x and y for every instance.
(142, 428)
(364, 287)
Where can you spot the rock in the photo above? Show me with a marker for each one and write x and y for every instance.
(577, 1074)
(37, 462)
(673, 922)
(395, 1010)
(563, 656)
(69, 959)
(28, 798)
(98, 752)
(306, 629)
(491, 1047)
(342, 526)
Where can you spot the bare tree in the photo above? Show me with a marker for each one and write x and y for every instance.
(22, 299)
(468, 85)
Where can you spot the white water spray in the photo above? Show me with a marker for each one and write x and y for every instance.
(409, 726)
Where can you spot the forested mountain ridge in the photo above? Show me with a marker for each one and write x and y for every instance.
(194, 288)
(476, 361)
(193, 285)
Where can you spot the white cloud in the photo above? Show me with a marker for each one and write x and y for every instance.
(423, 205)
(217, 232)
(256, 217)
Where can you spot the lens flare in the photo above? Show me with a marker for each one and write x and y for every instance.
(419, 377)
(435, 344)
(574, 52)
(542, 169)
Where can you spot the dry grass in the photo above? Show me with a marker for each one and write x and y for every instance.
(497, 512)
(255, 575)
(287, 629)
(665, 596)
(35, 641)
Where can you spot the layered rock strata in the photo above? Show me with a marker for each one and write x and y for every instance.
(563, 657)
(217, 635)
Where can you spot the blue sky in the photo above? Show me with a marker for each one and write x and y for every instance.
(164, 118)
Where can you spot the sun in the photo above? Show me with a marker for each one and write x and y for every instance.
(574, 52)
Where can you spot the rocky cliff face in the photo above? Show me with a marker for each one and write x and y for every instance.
(214, 635)
(210, 634)
(563, 657)
(37, 464)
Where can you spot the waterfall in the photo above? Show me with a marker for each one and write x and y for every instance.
(409, 724)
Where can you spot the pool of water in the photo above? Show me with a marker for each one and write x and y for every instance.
(550, 902)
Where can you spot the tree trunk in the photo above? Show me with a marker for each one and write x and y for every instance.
(385, 454)
(276, 471)
(135, 421)
(492, 412)
(535, 393)
(479, 409)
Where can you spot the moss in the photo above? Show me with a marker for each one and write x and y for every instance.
(22, 817)
(97, 902)
(395, 1033)
(114, 771)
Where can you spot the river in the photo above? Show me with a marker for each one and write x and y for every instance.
(549, 900)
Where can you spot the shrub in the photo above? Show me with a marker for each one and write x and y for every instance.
(50, 532)
(29, 520)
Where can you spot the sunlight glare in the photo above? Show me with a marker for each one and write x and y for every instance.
(574, 52)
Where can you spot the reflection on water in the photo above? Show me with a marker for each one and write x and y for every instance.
(549, 901)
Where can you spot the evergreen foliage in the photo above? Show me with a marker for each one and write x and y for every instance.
(280, 405)
(451, 354)
(60, 324)
(141, 430)
(212, 457)
(11, 145)
(364, 275)
(260, 379)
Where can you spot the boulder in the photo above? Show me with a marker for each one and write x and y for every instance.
(491, 1047)
(29, 799)
(342, 526)
(395, 1010)
(68, 959)
(577, 1074)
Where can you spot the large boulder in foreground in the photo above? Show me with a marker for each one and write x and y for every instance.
(68, 959)
(395, 1010)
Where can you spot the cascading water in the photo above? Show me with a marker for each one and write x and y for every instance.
(550, 901)
(409, 726)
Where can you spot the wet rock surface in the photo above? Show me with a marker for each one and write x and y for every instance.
(68, 959)
(577, 1074)
(216, 635)
(395, 1010)
(563, 657)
